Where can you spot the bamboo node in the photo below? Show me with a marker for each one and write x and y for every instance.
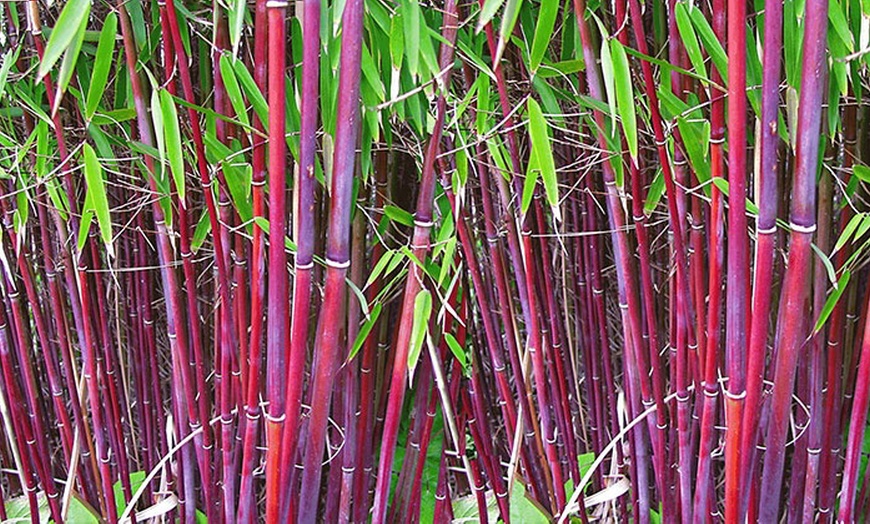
(798, 228)
(337, 264)
(735, 396)
(278, 419)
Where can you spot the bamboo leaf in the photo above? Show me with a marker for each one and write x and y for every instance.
(234, 92)
(490, 8)
(67, 65)
(203, 227)
(841, 27)
(172, 136)
(829, 267)
(862, 229)
(102, 63)
(832, 300)
(607, 75)
(711, 43)
(848, 231)
(543, 152)
(365, 329)
(625, 97)
(654, 194)
(10, 57)
(411, 23)
(63, 33)
(157, 118)
(456, 349)
(379, 267)
(255, 96)
(529, 183)
(97, 196)
(236, 16)
(422, 312)
(689, 39)
(543, 32)
(508, 21)
(397, 214)
(397, 42)
(862, 172)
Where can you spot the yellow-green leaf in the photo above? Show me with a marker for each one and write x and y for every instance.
(102, 63)
(543, 152)
(832, 300)
(543, 32)
(365, 329)
(234, 92)
(422, 312)
(172, 137)
(63, 33)
(625, 96)
(97, 195)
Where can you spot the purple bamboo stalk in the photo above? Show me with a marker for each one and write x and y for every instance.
(305, 227)
(419, 248)
(765, 229)
(803, 224)
(337, 255)
(278, 319)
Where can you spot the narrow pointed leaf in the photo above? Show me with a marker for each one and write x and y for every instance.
(625, 96)
(102, 64)
(97, 195)
(544, 154)
(172, 136)
(543, 32)
(63, 33)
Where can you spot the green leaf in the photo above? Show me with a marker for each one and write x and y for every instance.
(508, 21)
(67, 65)
(422, 312)
(234, 92)
(18, 510)
(457, 350)
(411, 17)
(689, 38)
(157, 118)
(255, 96)
(236, 16)
(841, 27)
(490, 8)
(655, 192)
(543, 151)
(625, 96)
(847, 232)
(543, 32)
(607, 75)
(529, 183)
(397, 42)
(832, 300)
(172, 136)
(862, 172)
(397, 214)
(365, 329)
(379, 267)
(97, 196)
(203, 227)
(829, 267)
(10, 57)
(102, 63)
(711, 43)
(63, 33)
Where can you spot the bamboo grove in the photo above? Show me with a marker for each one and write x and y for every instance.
(404, 261)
